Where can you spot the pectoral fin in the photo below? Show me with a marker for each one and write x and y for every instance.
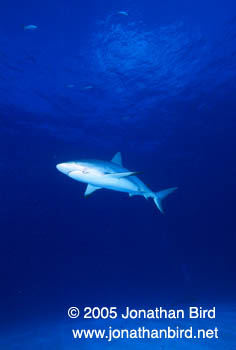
(90, 189)
(120, 175)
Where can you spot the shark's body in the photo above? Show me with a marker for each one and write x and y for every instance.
(110, 175)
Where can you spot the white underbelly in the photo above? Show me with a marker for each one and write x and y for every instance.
(106, 181)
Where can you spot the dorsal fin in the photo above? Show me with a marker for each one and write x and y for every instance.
(117, 159)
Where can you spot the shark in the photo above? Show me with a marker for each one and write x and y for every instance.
(111, 175)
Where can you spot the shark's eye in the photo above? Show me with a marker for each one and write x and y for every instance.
(85, 171)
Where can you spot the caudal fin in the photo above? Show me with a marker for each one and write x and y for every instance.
(159, 196)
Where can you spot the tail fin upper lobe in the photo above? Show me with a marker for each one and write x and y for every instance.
(159, 196)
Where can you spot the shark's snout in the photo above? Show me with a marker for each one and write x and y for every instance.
(64, 168)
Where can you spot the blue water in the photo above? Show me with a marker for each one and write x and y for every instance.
(158, 85)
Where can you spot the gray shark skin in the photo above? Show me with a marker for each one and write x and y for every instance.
(112, 176)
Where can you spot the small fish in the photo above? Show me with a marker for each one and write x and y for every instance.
(124, 13)
(31, 27)
(70, 86)
(88, 87)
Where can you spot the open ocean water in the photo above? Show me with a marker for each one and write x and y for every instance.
(156, 81)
